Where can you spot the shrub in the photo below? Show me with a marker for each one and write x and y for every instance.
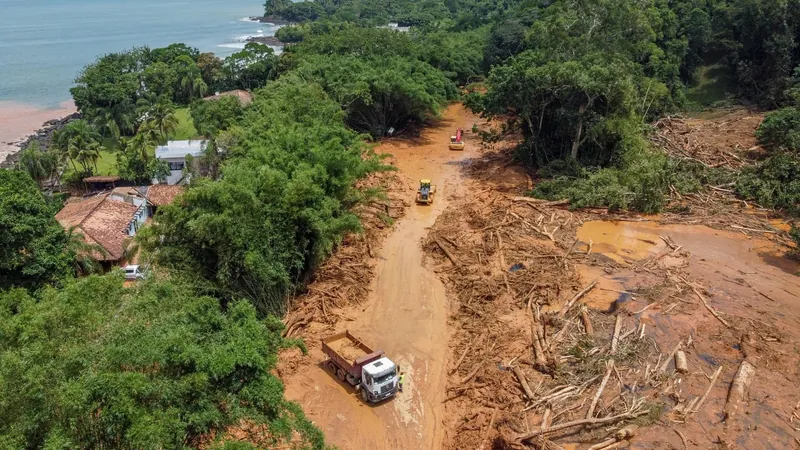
(775, 183)
(780, 130)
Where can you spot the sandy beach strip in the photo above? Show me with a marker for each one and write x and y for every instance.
(19, 120)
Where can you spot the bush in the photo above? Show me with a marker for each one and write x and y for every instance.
(780, 130)
(280, 206)
(642, 184)
(291, 34)
(775, 183)
(98, 365)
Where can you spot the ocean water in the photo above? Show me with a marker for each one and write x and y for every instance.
(44, 44)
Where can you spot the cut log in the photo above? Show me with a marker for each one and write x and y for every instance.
(681, 365)
(446, 252)
(524, 382)
(567, 306)
(739, 385)
(587, 322)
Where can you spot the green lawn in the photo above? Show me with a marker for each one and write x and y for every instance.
(107, 164)
(185, 128)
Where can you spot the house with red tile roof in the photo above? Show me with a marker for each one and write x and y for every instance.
(107, 220)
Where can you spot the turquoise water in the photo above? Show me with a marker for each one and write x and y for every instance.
(45, 43)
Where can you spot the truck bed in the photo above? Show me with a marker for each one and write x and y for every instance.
(349, 352)
(349, 349)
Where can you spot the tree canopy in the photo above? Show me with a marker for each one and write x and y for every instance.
(98, 365)
(33, 246)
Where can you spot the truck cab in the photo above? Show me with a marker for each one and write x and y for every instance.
(379, 380)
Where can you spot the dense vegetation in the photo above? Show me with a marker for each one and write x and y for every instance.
(87, 363)
(98, 365)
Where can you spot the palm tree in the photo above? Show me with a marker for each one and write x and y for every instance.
(32, 160)
(105, 122)
(125, 116)
(163, 117)
(193, 86)
(145, 139)
(80, 142)
(84, 253)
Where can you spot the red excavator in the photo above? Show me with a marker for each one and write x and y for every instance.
(457, 141)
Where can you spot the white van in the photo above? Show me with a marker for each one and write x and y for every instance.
(133, 272)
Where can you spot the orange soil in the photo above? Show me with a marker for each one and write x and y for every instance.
(406, 314)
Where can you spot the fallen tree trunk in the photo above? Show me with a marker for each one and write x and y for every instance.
(524, 382)
(446, 252)
(582, 422)
(739, 385)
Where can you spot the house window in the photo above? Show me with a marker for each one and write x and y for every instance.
(176, 166)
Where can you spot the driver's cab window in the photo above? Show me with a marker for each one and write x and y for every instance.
(368, 378)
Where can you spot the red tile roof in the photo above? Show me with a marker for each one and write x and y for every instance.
(245, 98)
(163, 194)
(101, 221)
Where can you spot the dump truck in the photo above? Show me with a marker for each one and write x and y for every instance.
(425, 192)
(368, 370)
(457, 141)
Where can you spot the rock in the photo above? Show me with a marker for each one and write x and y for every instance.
(267, 40)
(43, 136)
(271, 19)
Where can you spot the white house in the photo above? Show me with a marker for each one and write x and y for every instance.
(174, 153)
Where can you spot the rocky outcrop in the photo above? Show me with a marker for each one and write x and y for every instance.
(43, 137)
(266, 40)
(271, 19)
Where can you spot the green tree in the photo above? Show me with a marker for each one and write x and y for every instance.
(97, 365)
(212, 116)
(80, 142)
(380, 93)
(40, 165)
(780, 130)
(280, 206)
(32, 242)
(252, 67)
(160, 79)
(162, 115)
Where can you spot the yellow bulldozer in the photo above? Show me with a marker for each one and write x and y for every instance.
(425, 192)
(457, 141)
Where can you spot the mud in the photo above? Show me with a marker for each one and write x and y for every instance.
(347, 349)
(457, 323)
(405, 314)
(648, 273)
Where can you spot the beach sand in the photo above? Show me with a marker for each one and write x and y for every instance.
(19, 120)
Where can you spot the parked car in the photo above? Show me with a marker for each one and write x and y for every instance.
(135, 272)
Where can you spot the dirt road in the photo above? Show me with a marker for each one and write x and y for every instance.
(406, 314)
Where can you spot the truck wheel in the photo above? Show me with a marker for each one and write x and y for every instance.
(340, 374)
(364, 395)
(332, 367)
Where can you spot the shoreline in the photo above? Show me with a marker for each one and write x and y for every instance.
(270, 19)
(21, 123)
